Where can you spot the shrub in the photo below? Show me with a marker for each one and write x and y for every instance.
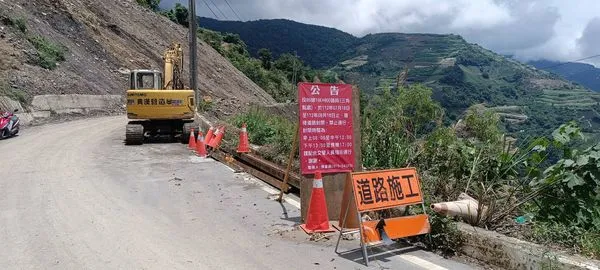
(49, 54)
(152, 4)
(20, 23)
(571, 187)
(15, 94)
(393, 121)
(267, 129)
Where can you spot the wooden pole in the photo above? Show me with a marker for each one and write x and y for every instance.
(284, 185)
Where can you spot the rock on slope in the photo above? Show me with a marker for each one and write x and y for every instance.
(101, 38)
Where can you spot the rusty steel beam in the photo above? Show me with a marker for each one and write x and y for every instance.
(270, 168)
(241, 166)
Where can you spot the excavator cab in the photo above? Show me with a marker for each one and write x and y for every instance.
(144, 79)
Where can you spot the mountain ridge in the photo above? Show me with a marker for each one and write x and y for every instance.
(585, 74)
(460, 73)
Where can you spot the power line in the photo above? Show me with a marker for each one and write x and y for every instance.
(238, 16)
(219, 10)
(217, 17)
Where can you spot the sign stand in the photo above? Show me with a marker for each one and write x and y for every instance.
(284, 185)
(402, 193)
(351, 231)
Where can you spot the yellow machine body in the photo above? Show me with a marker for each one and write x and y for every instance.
(160, 104)
(157, 104)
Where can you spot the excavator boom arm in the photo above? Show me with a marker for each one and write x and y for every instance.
(173, 69)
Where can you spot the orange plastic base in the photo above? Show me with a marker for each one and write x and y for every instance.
(398, 227)
(303, 226)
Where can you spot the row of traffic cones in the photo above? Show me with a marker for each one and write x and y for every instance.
(317, 220)
(213, 139)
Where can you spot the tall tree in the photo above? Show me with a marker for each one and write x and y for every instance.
(265, 57)
(179, 14)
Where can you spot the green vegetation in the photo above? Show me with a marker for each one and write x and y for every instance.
(179, 14)
(48, 53)
(277, 77)
(318, 46)
(151, 4)
(582, 73)
(460, 74)
(544, 178)
(12, 93)
(267, 129)
(19, 23)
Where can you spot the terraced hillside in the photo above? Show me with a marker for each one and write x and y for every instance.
(462, 74)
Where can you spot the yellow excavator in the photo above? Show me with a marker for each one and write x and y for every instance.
(160, 105)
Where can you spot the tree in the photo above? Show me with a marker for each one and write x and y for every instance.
(151, 4)
(179, 14)
(265, 57)
(292, 66)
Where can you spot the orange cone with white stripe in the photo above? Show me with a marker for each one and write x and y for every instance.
(209, 135)
(192, 141)
(244, 144)
(317, 218)
(200, 146)
(216, 140)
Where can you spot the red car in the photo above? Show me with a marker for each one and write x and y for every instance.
(9, 124)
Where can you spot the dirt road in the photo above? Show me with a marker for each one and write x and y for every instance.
(72, 196)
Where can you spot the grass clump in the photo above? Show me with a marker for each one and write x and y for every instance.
(20, 23)
(48, 53)
(572, 237)
(267, 129)
(14, 94)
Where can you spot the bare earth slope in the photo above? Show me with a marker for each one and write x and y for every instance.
(102, 38)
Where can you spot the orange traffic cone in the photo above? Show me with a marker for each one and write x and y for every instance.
(216, 140)
(192, 141)
(209, 135)
(200, 146)
(244, 145)
(317, 218)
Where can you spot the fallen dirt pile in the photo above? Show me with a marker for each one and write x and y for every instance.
(101, 41)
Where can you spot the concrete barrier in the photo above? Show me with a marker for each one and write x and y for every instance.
(75, 104)
(511, 253)
(46, 106)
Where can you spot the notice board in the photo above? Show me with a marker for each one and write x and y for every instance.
(326, 133)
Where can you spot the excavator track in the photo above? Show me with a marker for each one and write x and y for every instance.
(134, 134)
(187, 130)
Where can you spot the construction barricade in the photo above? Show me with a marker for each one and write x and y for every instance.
(381, 190)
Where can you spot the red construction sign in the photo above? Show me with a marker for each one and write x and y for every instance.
(326, 133)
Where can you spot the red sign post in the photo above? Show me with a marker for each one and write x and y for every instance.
(326, 133)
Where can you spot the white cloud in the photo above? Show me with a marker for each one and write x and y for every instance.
(529, 29)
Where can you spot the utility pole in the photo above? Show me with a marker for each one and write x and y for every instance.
(193, 45)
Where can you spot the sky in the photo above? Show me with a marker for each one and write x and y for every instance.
(560, 30)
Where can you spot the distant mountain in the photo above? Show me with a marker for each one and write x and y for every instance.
(461, 74)
(317, 46)
(584, 74)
